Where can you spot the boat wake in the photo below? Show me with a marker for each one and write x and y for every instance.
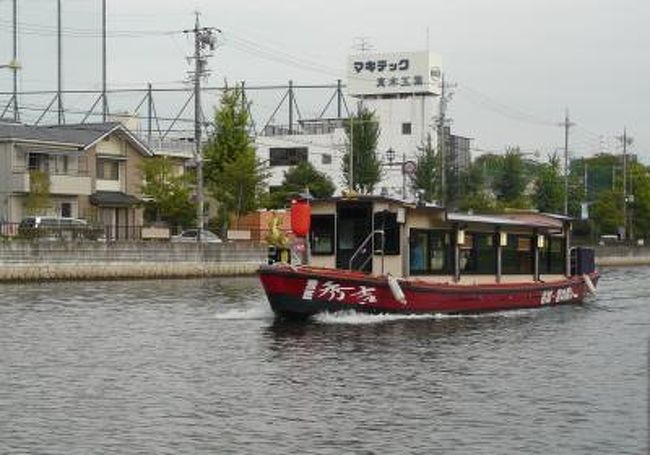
(353, 317)
(241, 314)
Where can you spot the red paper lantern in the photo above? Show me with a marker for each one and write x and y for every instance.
(300, 217)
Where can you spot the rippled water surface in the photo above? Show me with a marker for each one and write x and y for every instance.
(200, 366)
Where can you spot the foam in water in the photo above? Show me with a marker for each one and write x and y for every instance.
(259, 312)
(353, 317)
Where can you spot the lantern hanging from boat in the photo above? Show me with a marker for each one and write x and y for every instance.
(300, 217)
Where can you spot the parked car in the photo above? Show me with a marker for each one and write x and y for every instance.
(609, 239)
(55, 228)
(189, 236)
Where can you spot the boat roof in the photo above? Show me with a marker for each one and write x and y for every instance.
(534, 220)
(523, 219)
(375, 198)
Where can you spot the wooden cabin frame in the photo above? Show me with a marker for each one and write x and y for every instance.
(341, 236)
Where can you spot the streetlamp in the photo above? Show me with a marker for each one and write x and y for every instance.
(390, 156)
(406, 167)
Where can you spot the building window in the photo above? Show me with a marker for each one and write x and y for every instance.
(108, 169)
(387, 221)
(431, 252)
(326, 158)
(60, 164)
(287, 156)
(38, 162)
(321, 236)
(66, 209)
(406, 128)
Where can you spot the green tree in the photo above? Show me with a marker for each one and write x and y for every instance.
(490, 165)
(168, 193)
(549, 187)
(240, 189)
(607, 212)
(476, 196)
(299, 177)
(233, 174)
(362, 131)
(38, 199)
(510, 183)
(427, 172)
(639, 208)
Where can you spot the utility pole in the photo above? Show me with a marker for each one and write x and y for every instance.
(626, 140)
(445, 96)
(204, 38)
(566, 124)
(104, 99)
(351, 157)
(15, 59)
(59, 89)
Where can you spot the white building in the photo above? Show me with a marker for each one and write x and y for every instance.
(401, 88)
(321, 142)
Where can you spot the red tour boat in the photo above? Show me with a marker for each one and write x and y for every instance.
(381, 255)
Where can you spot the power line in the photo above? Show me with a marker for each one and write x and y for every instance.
(476, 97)
(51, 30)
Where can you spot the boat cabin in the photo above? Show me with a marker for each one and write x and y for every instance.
(381, 235)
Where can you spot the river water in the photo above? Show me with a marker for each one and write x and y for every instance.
(200, 366)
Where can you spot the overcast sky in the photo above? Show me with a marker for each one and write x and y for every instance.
(517, 63)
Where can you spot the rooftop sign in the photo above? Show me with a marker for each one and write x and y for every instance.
(393, 73)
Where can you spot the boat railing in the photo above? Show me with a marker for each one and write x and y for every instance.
(363, 247)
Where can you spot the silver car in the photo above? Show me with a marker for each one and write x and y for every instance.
(189, 236)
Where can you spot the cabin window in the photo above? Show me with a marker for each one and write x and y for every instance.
(430, 252)
(478, 254)
(388, 222)
(321, 236)
(517, 255)
(552, 256)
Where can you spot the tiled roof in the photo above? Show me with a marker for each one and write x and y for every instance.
(81, 136)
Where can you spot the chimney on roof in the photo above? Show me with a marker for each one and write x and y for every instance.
(128, 119)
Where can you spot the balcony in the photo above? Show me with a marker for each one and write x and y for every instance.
(64, 184)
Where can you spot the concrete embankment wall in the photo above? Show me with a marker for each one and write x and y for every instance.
(622, 255)
(27, 261)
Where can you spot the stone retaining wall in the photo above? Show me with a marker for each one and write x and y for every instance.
(35, 261)
(613, 255)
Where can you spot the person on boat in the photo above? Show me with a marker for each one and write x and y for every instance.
(417, 261)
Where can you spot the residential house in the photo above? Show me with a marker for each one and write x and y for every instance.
(93, 171)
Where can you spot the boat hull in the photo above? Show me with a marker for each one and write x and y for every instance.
(299, 292)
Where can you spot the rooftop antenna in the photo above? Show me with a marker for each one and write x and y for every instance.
(362, 44)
